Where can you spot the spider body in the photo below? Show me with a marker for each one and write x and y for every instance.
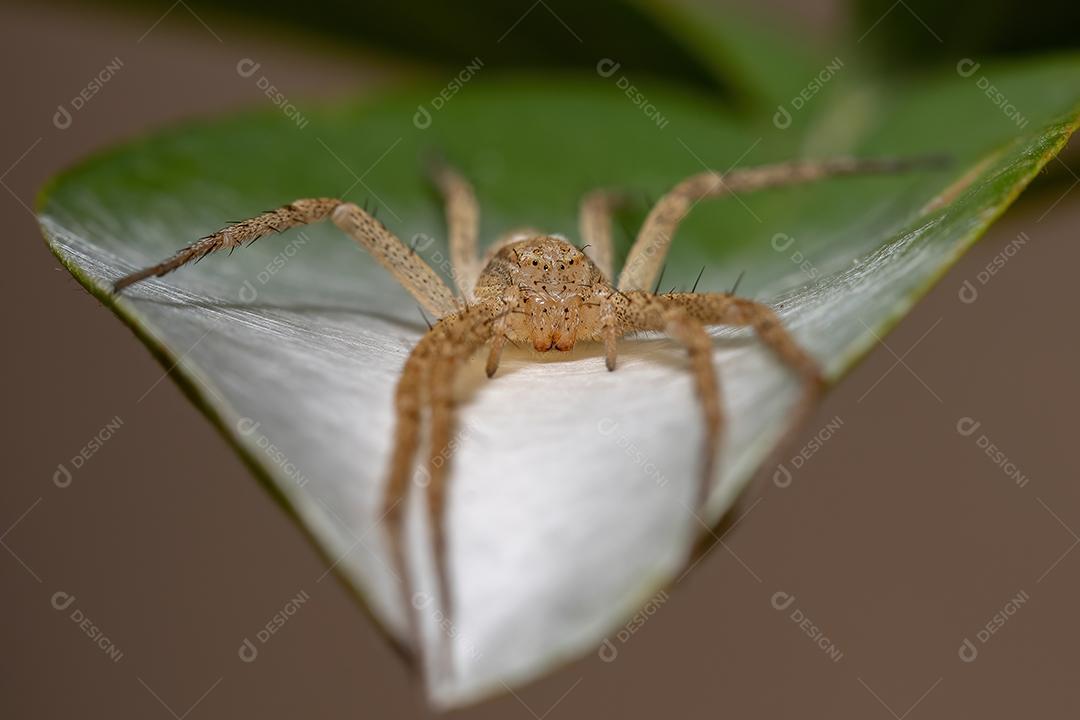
(541, 291)
(550, 292)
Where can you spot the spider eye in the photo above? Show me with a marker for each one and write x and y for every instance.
(535, 262)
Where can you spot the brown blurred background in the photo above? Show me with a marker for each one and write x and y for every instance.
(899, 539)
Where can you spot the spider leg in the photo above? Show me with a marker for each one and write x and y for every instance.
(769, 329)
(594, 225)
(649, 312)
(498, 337)
(440, 392)
(407, 268)
(244, 232)
(463, 222)
(691, 333)
(462, 337)
(684, 315)
(427, 380)
(498, 341)
(609, 330)
(728, 309)
(407, 409)
(654, 239)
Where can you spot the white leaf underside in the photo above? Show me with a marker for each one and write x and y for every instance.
(571, 486)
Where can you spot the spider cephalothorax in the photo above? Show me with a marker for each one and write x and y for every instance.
(549, 289)
(538, 290)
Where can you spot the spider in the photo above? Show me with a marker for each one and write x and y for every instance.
(538, 289)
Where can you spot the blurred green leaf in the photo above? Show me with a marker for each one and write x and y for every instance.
(503, 34)
(571, 485)
(764, 62)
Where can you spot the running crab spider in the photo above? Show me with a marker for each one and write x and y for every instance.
(538, 289)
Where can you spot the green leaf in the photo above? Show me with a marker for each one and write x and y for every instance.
(763, 62)
(553, 34)
(568, 507)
